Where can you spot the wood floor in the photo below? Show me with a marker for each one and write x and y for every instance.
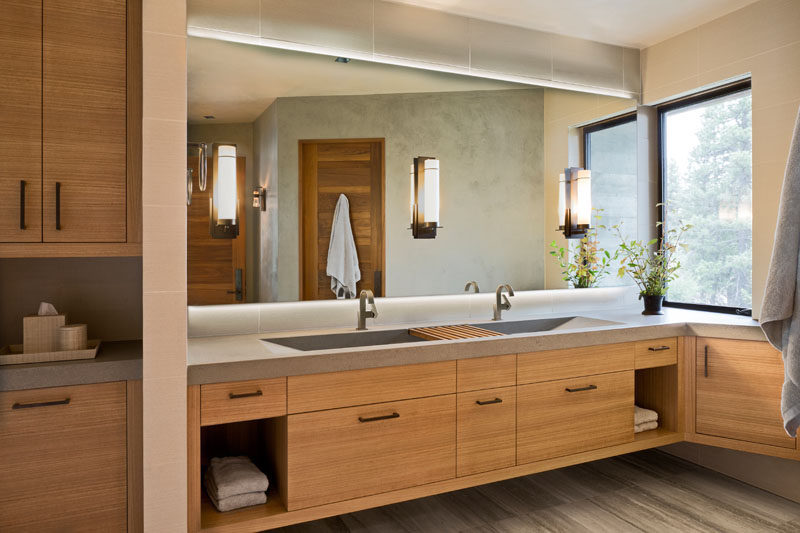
(645, 491)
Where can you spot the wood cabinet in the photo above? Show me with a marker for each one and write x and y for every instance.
(356, 451)
(548, 365)
(563, 417)
(223, 403)
(63, 459)
(70, 128)
(486, 430)
(657, 352)
(738, 391)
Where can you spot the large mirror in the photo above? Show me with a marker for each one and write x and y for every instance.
(288, 149)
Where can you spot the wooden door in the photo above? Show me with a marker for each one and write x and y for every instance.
(212, 264)
(84, 121)
(355, 168)
(21, 121)
(738, 391)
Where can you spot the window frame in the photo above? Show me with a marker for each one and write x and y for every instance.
(661, 110)
(600, 126)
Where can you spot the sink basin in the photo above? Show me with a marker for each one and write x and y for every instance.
(346, 340)
(545, 324)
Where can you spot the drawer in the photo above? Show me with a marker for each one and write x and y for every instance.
(357, 451)
(486, 372)
(371, 385)
(221, 403)
(63, 458)
(657, 352)
(487, 430)
(561, 364)
(553, 422)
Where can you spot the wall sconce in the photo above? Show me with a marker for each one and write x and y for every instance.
(575, 201)
(260, 198)
(224, 201)
(424, 178)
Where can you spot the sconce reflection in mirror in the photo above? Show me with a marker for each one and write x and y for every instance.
(424, 179)
(200, 150)
(574, 201)
(260, 198)
(224, 201)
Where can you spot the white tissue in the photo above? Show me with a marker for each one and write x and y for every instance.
(47, 309)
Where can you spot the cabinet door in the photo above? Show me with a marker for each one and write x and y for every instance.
(738, 391)
(487, 430)
(21, 121)
(84, 121)
(357, 451)
(558, 418)
(63, 459)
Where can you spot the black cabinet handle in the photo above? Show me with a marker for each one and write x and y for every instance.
(489, 402)
(658, 348)
(705, 361)
(234, 396)
(21, 204)
(65, 401)
(590, 387)
(58, 206)
(377, 284)
(376, 418)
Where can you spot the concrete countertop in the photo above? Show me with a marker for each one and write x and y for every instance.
(243, 357)
(117, 361)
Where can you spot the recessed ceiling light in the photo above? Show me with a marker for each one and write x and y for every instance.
(209, 117)
(342, 59)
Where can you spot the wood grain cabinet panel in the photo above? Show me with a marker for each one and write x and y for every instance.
(222, 403)
(550, 365)
(738, 391)
(487, 372)
(657, 352)
(558, 418)
(347, 453)
(84, 121)
(63, 459)
(487, 430)
(21, 121)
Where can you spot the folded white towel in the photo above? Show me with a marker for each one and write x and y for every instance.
(232, 476)
(645, 426)
(342, 256)
(641, 415)
(238, 501)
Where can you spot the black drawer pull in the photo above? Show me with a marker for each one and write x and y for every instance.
(58, 206)
(234, 396)
(65, 401)
(376, 418)
(21, 204)
(489, 402)
(590, 387)
(658, 348)
(705, 361)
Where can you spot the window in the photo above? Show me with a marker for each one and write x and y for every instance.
(610, 153)
(706, 181)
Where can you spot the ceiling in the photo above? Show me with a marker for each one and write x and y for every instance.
(237, 82)
(633, 23)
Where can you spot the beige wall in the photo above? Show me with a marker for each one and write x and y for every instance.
(761, 39)
(164, 264)
(265, 140)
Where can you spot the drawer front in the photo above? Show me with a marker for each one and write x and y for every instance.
(357, 451)
(553, 422)
(372, 385)
(487, 372)
(549, 365)
(657, 352)
(487, 430)
(63, 458)
(236, 401)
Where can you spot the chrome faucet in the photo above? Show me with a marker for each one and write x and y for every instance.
(363, 314)
(473, 284)
(505, 305)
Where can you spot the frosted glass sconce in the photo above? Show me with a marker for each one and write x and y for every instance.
(575, 202)
(224, 218)
(424, 181)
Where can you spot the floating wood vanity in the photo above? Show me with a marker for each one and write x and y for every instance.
(342, 441)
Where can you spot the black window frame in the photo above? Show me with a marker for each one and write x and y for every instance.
(705, 96)
(599, 126)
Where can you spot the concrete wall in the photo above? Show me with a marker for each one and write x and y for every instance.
(492, 198)
(265, 140)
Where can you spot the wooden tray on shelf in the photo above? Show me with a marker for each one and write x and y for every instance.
(12, 355)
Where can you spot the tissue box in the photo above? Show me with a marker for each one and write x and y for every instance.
(40, 333)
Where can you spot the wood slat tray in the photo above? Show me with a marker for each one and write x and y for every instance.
(12, 355)
(463, 331)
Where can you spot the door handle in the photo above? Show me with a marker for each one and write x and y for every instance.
(58, 206)
(590, 387)
(705, 360)
(377, 283)
(489, 402)
(376, 418)
(658, 348)
(65, 401)
(235, 396)
(21, 204)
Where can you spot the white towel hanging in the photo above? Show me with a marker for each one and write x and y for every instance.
(342, 256)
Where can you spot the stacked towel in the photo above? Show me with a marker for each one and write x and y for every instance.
(644, 419)
(235, 482)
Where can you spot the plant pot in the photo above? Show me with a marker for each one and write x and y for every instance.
(652, 304)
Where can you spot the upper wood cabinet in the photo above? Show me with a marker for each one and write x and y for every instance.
(738, 391)
(70, 128)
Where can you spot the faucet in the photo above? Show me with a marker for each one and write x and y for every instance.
(505, 305)
(363, 314)
(473, 284)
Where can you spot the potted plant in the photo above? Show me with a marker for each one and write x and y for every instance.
(588, 262)
(652, 265)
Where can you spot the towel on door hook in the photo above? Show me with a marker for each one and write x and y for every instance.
(342, 257)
